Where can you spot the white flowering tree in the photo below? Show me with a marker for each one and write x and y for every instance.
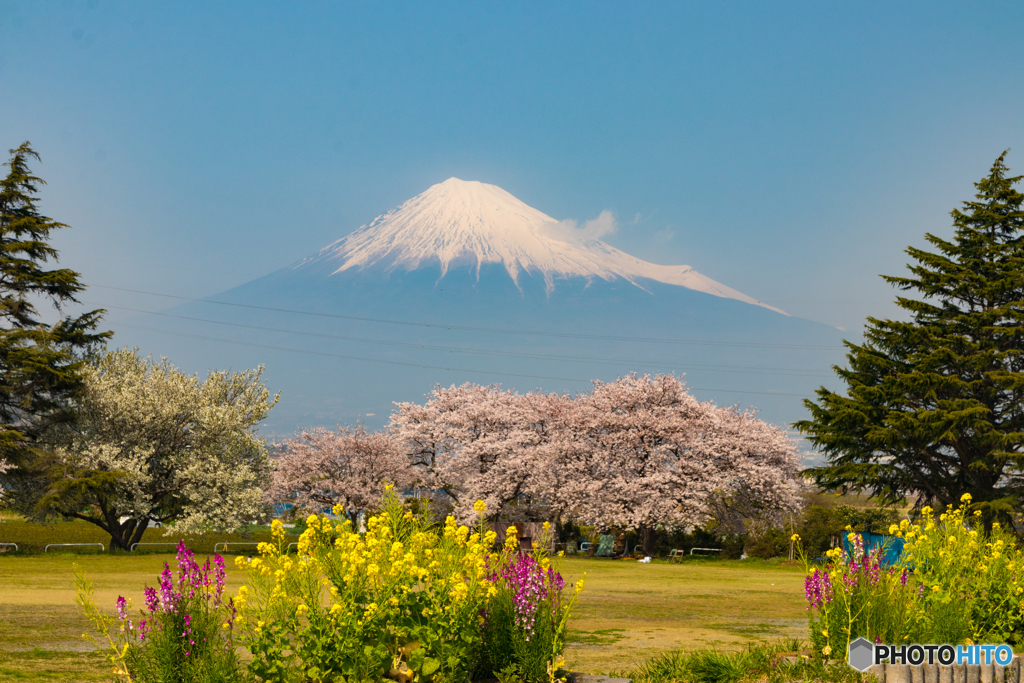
(4, 467)
(320, 468)
(152, 444)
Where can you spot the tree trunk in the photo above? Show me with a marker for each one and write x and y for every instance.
(140, 529)
(124, 534)
(650, 537)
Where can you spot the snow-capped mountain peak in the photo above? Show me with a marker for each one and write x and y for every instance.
(466, 222)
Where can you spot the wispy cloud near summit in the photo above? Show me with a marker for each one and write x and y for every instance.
(570, 230)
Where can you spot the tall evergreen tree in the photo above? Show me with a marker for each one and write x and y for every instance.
(40, 363)
(934, 406)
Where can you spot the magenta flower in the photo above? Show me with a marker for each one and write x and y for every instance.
(530, 585)
(817, 589)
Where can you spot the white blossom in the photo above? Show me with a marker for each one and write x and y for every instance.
(180, 450)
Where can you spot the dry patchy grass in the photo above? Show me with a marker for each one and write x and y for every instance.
(40, 625)
(630, 612)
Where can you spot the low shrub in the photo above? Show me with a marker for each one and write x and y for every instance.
(767, 544)
(33, 537)
(779, 662)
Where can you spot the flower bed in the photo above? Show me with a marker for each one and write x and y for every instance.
(407, 601)
(954, 584)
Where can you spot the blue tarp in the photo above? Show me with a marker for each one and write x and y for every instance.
(893, 546)
(606, 546)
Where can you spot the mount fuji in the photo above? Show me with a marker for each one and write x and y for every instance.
(466, 283)
(469, 223)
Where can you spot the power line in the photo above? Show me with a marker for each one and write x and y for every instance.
(648, 340)
(791, 372)
(417, 365)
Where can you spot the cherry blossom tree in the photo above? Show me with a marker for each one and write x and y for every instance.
(433, 435)
(625, 453)
(759, 467)
(508, 465)
(477, 443)
(641, 453)
(320, 468)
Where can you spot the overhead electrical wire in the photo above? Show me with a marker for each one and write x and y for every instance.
(416, 365)
(792, 372)
(466, 328)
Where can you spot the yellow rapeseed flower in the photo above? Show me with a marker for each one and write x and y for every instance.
(480, 507)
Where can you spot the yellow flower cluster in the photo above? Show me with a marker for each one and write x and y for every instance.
(957, 563)
(402, 576)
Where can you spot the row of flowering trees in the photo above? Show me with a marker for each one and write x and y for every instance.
(638, 453)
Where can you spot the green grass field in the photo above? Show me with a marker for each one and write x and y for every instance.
(627, 613)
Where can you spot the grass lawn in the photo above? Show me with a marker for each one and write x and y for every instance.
(627, 613)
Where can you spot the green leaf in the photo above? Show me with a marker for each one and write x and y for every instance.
(430, 665)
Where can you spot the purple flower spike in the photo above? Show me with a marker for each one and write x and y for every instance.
(152, 601)
(122, 608)
(530, 584)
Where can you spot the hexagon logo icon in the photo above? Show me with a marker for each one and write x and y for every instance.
(862, 654)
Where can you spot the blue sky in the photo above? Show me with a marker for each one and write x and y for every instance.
(789, 150)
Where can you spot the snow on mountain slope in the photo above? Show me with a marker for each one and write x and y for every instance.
(461, 222)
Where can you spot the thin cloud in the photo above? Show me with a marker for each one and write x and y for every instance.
(571, 231)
